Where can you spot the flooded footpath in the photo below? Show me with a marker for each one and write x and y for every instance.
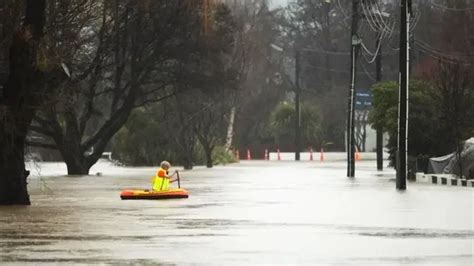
(249, 213)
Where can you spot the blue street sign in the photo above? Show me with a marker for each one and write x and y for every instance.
(363, 99)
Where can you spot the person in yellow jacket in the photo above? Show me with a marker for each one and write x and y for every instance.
(162, 179)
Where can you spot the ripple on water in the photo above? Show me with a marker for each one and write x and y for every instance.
(416, 233)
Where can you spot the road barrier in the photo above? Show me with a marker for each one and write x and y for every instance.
(444, 180)
(324, 156)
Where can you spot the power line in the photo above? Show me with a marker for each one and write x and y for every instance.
(368, 74)
(327, 69)
(376, 51)
(343, 13)
(366, 49)
(374, 56)
(373, 13)
(317, 50)
(342, 10)
(377, 23)
(377, 11)
(444, 58)
(451, 8)
(309, 64)
(437, 57)
(440, 53)
(370, 20)
(415, 21)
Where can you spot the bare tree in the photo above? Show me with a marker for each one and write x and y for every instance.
(454, 84)
(361, 118)
(129, 61)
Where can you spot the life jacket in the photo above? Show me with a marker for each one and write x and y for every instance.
(160, 181)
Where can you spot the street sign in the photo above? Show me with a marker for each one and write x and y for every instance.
(363, 99)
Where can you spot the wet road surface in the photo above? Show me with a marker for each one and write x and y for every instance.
(249, 213)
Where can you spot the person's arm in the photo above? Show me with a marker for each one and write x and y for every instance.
(171, 179)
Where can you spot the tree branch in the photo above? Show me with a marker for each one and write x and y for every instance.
(41, 145)
(41, 130)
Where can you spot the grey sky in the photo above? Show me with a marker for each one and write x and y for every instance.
(279, 2)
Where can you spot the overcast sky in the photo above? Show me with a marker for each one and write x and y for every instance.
(278, 2)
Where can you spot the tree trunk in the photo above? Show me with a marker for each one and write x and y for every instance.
(364, 137)
(379, 148)
(208, 151)
(207, 146)
(13, 185)
(230, 130)
(187, 162)
(21, 97)
(185, 144)
(77, 164)
(459, 148)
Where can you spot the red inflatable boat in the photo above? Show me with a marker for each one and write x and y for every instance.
(132, 194)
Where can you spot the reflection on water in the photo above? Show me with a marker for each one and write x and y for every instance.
(244, 214)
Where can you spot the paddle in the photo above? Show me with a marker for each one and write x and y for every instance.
(179, 183)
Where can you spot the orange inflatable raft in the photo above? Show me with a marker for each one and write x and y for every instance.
(136, 194)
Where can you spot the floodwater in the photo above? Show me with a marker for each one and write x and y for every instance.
(249, 213)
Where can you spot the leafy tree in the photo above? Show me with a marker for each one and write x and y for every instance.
(426, 132)
(209, 127)
(210, 78)
(210, 123)
(143, 140)
(260, 86)
(322, 27)
(282, 124)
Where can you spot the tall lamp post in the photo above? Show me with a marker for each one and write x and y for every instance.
(297, 106)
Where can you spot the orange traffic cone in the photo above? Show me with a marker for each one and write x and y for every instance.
(357, 155)
(278, 155)
(248, 155)
(310, 153)
(321, 156)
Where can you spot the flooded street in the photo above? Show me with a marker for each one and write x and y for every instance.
(248, 213)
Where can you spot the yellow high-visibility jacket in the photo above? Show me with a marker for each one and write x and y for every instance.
(161, 182)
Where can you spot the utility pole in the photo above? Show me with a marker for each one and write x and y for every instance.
(378, 78)
(327, 40)
(297, 106)
(403, 94)
(355, 42)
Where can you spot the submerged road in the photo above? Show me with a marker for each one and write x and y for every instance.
(249, 213)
